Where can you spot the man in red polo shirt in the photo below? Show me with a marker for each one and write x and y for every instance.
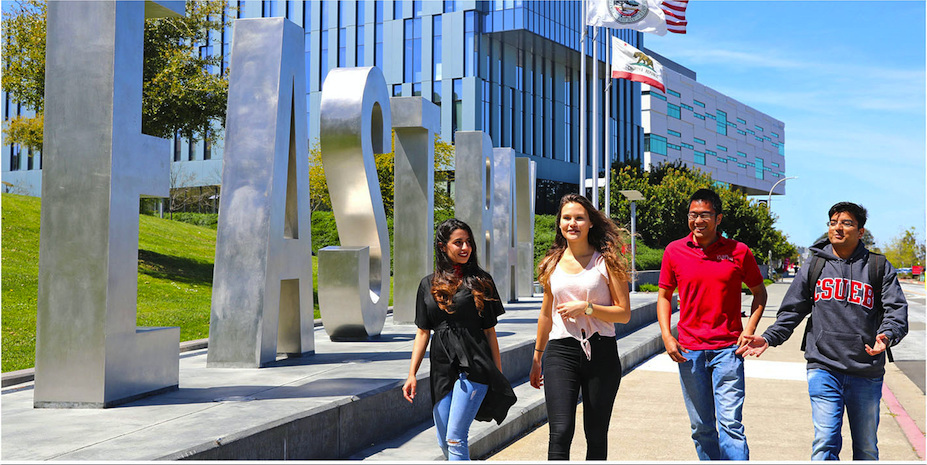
(708, 269)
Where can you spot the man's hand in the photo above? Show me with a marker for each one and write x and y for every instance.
(751, 345)
(674, 350)
(880, 345)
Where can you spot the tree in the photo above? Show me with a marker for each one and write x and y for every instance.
(180, 91)
(661, 218)
(444, 163)
(904, 250)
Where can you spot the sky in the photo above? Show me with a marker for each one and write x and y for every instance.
(848, 80)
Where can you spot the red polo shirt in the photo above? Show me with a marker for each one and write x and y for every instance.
(709, 289)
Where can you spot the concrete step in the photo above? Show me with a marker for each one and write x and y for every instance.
(529, 411)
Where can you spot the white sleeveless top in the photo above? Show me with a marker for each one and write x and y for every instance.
(591, 285)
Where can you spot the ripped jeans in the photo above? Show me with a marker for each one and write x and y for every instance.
(454, 414)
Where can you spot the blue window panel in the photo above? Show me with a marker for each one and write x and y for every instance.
(674, 146)
(722, 160)
(687, 107)
(699, 116)
(654, 94)
(741, 121)
(722, 148)
(397, 9)
(688, 146)
(758, 127)
(673, 133)
(698, 103)
(741, 132)
(741, 153)
(397, 90)
(698, 141)
(775, 135)
(417, 89)
(673, 111)
(672, 92)
(699, 158)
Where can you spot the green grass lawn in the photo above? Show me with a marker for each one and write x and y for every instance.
(174, 277)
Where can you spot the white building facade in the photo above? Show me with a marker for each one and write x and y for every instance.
(707, 130)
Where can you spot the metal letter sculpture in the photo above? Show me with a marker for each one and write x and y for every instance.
(89, 353)
(354, 123)
(415, 121)
(262, 285)
(525, 178)
(504, 225)
(473, 197)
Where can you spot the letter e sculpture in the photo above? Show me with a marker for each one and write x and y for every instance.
(89, 353)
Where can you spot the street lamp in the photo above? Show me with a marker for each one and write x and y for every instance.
(769, 209)
(633, 196)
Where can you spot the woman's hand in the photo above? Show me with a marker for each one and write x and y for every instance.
(408, 389)
(572, 309)
(536, 378)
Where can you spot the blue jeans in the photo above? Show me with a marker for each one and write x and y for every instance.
(713, 389)
(453, 415)
(830, 394)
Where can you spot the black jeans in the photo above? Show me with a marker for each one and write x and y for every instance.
(566, 373)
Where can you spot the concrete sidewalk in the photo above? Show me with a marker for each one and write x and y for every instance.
(330, 405)
(649, 421)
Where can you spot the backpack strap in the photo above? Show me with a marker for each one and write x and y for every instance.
(815, 267)
(876, 272)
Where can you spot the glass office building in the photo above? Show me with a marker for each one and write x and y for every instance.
(509, 68)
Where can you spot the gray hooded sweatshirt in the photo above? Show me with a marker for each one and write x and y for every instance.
(844, 317)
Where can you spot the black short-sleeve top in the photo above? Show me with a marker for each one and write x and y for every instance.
(459, 345)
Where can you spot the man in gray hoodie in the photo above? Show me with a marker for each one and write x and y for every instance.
(848, 336)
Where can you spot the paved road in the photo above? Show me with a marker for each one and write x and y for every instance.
(649, 421)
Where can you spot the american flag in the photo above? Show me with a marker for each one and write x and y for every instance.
(675, 11)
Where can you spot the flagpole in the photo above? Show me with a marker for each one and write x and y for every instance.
(582, 100)
(608, 124)
(594, 83)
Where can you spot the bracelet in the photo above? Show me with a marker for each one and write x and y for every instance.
(538, 350)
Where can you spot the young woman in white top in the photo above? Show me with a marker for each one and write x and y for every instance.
(585, 281)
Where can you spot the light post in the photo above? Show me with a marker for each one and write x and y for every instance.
(633, 196)
(769, 209)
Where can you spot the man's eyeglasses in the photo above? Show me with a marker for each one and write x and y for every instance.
(845, 223)
(703, 215)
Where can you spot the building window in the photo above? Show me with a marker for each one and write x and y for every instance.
(397, 90)
(722, 122)
(378, 34)
(741, 121)
(207, 148)
(471, 46)
(673, 111)
(722, 148)
(759, 168)
(688, 146)
(672, 92)
(758, 128)
(397, 9)
(15, 152)
(436, 44)
(698, 141)
(674, 146)
(673, 133)
(450, 6)
(698, 103)
(436, 93)
(568, 115)
(742, 132)
(742, 154)
(655, 144)
(699, 158)
(412, 59)
(323, 57)
(775, 135)
(654, 94)
(774, 164)
(782, 149)
(699, 116)
(360, 40)
(457, 99)
(416, 89)
(687, 107)
(177, 146)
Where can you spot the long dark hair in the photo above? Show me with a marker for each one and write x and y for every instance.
(603, 236)
(445, 282)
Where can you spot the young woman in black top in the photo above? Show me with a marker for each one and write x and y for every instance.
(459, 302)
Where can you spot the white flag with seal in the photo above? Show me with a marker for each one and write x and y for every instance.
(640, 15)
(634, 65)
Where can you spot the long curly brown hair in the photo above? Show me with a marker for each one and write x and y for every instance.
(603, 236)
(445, 282)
